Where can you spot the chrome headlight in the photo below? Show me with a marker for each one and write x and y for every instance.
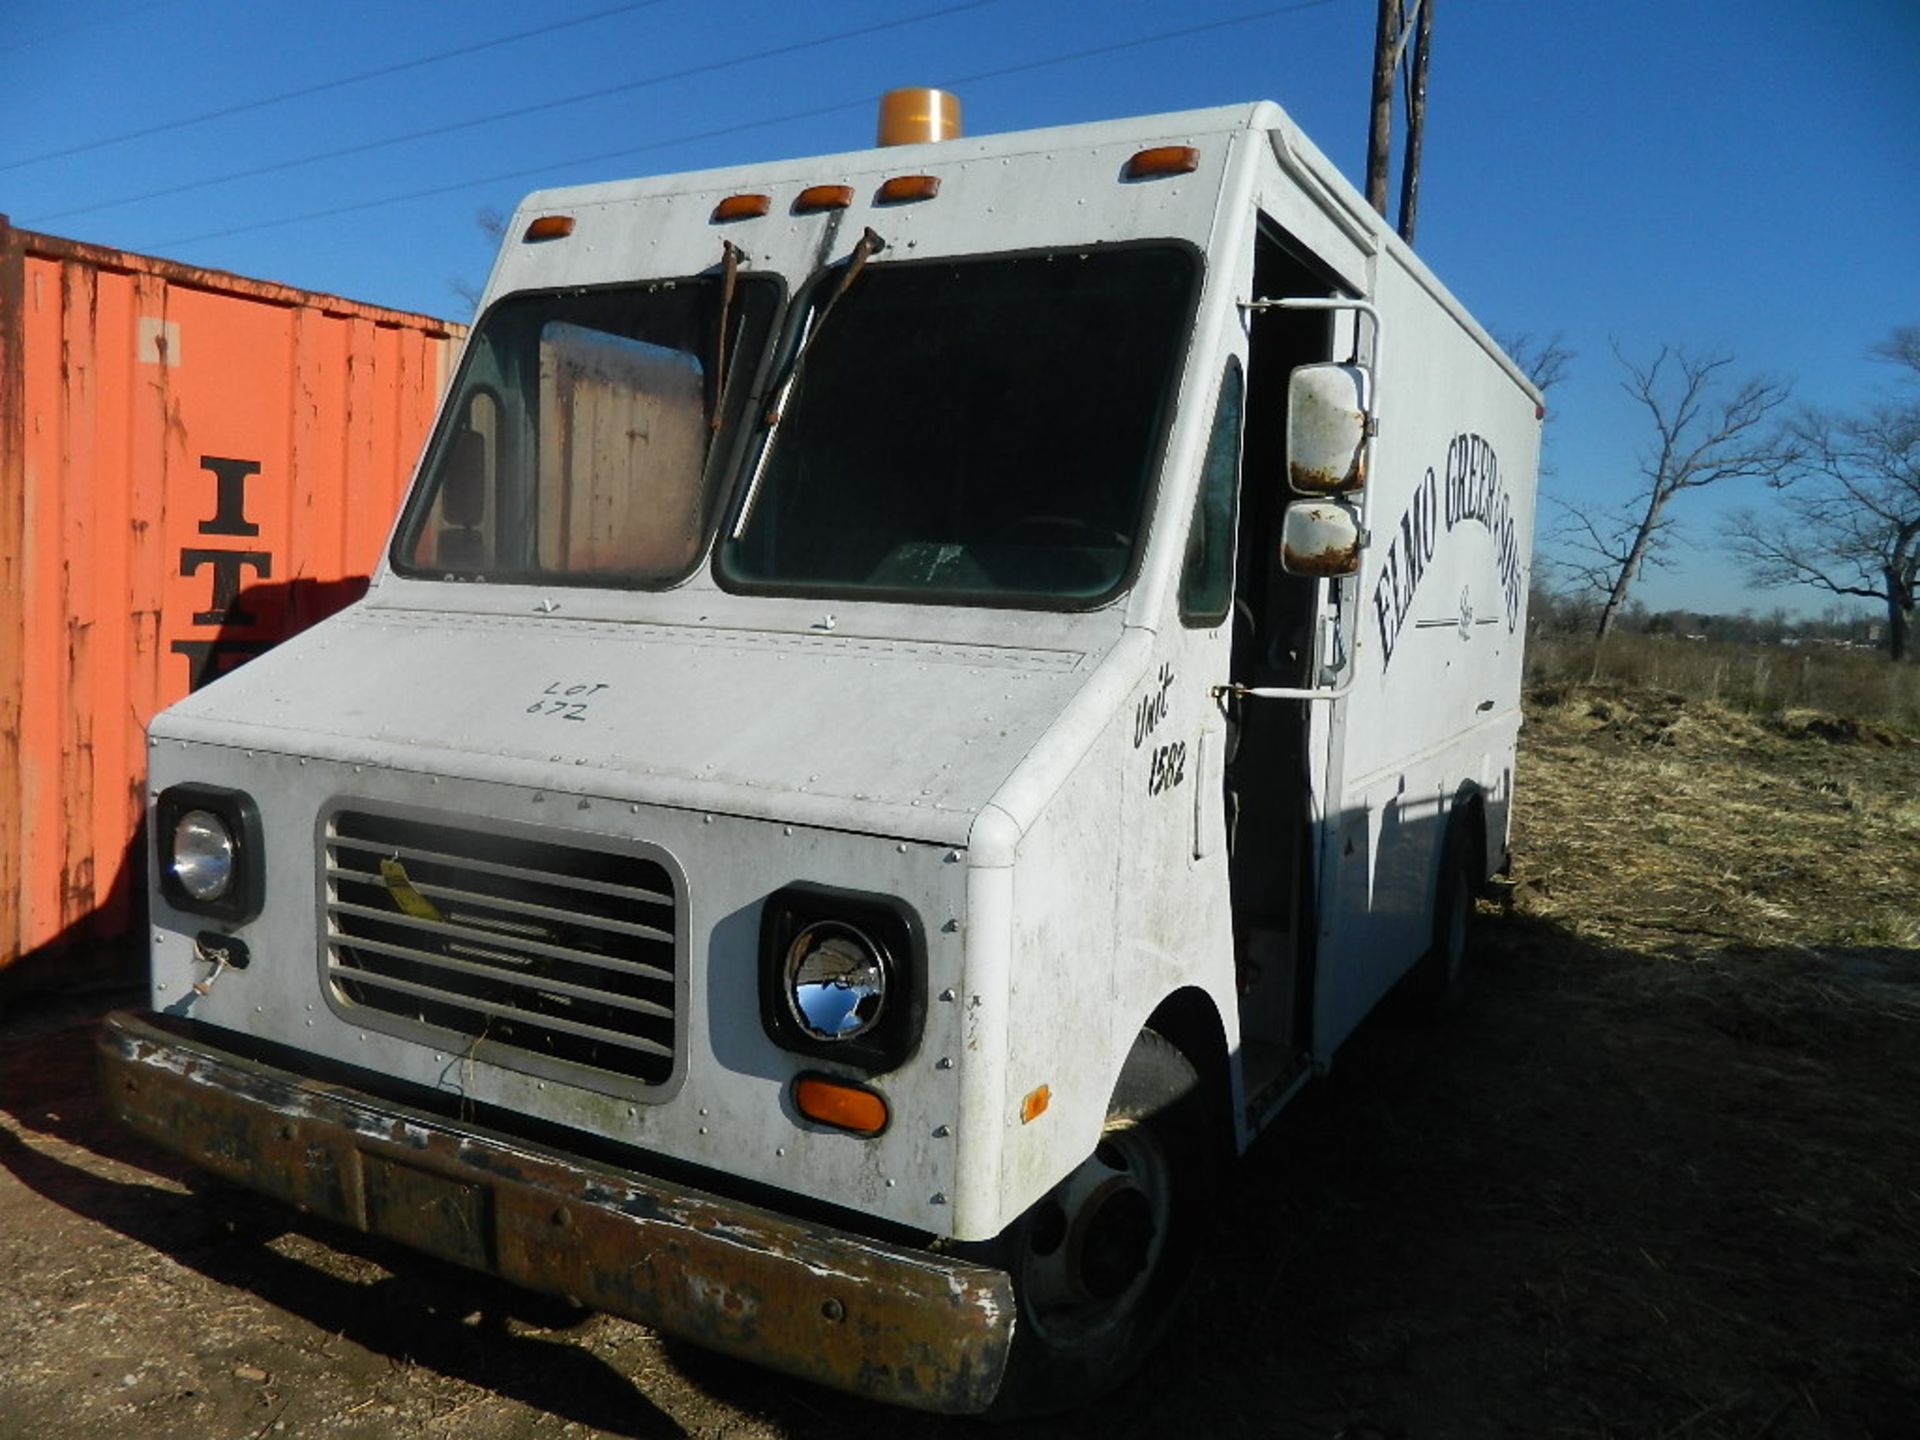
(842, 975)
(836, 981)
(202, 855)
(210, 858)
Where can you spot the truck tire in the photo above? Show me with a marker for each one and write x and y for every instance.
(1100, 1262)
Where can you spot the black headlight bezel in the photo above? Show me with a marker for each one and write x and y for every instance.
(893, 927)
(237, 811)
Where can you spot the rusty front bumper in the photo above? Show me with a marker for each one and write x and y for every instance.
(885, 1321)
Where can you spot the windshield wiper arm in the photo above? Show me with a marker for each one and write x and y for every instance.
(729, 280)
(864, 249)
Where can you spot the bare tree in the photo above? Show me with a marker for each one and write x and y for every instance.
(1545, 359)
(1848, 521)
(1706, 429)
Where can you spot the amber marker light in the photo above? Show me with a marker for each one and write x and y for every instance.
(741, 207)
(918, 115)
(823, 197)
(1163, 160)
(843, 1106)
(550, 227)
(905, 189)
(1035, 1104)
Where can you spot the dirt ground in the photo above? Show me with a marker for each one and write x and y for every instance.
(1657, 1176)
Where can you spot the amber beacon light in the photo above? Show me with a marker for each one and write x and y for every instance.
(918, 115)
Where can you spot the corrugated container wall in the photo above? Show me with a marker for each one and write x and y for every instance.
(192, 466)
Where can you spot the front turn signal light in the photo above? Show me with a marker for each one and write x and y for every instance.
(841, 1105)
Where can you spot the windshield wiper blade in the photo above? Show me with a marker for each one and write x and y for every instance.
(864, 249)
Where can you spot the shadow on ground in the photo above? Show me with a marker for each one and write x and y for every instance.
(1613, 1195)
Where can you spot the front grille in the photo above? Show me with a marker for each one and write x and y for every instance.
(535, 955)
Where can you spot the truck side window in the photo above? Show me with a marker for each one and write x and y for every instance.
(1206, 584)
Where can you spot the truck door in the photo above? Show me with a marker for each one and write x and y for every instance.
(1268, 775)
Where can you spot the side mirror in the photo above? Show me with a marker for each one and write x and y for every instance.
(1320, 539)
(1327, 429)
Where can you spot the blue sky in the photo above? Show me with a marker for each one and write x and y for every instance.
(1737, 175)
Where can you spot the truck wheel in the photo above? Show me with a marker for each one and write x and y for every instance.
(1099, 1263)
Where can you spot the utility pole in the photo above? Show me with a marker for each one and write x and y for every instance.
(1416, 119)
(1380, 130)
(1399, 32)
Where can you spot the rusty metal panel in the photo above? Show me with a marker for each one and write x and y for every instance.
(890, 1322)
(193, 466)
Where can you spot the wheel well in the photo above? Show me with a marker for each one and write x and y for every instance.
(1188, 1020)
(1467, 825)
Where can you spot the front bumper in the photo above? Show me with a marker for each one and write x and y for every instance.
(885, 1321)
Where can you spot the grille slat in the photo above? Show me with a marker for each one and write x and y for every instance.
(489, 972)
(495, 902)
(507, 1012)
(481, 935)
(563, 959)
(487, 867)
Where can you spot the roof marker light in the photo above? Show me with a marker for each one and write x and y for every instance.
(906, 189)
(741, 207)
(549, 227)
(1162, 160)
(823, 197)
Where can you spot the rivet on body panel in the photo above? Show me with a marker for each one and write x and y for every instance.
(945, 1062)
(833, 1310)
(937, 1198)
(941, 1132)
(948, 995)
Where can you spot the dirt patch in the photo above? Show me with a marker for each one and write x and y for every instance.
(1658, 1177)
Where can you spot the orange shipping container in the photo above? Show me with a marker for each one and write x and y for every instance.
(192, 466)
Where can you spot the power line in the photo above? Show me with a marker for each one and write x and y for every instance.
(550, 167)
(580, 98)
(376, 74)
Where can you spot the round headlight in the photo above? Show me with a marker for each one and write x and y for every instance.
(836, 981)
(203, 855)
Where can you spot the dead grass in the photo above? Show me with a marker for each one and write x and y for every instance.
(1683, 826)
(1849, 686)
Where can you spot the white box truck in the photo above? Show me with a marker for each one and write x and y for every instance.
(917, 698)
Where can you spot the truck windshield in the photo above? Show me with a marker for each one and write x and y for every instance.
(588, 437)
(972, 431)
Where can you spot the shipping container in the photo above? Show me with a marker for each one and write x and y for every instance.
(193, 466)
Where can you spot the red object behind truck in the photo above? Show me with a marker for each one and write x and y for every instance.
(193, 465)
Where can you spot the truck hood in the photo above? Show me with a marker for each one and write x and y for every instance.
(884, 736)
